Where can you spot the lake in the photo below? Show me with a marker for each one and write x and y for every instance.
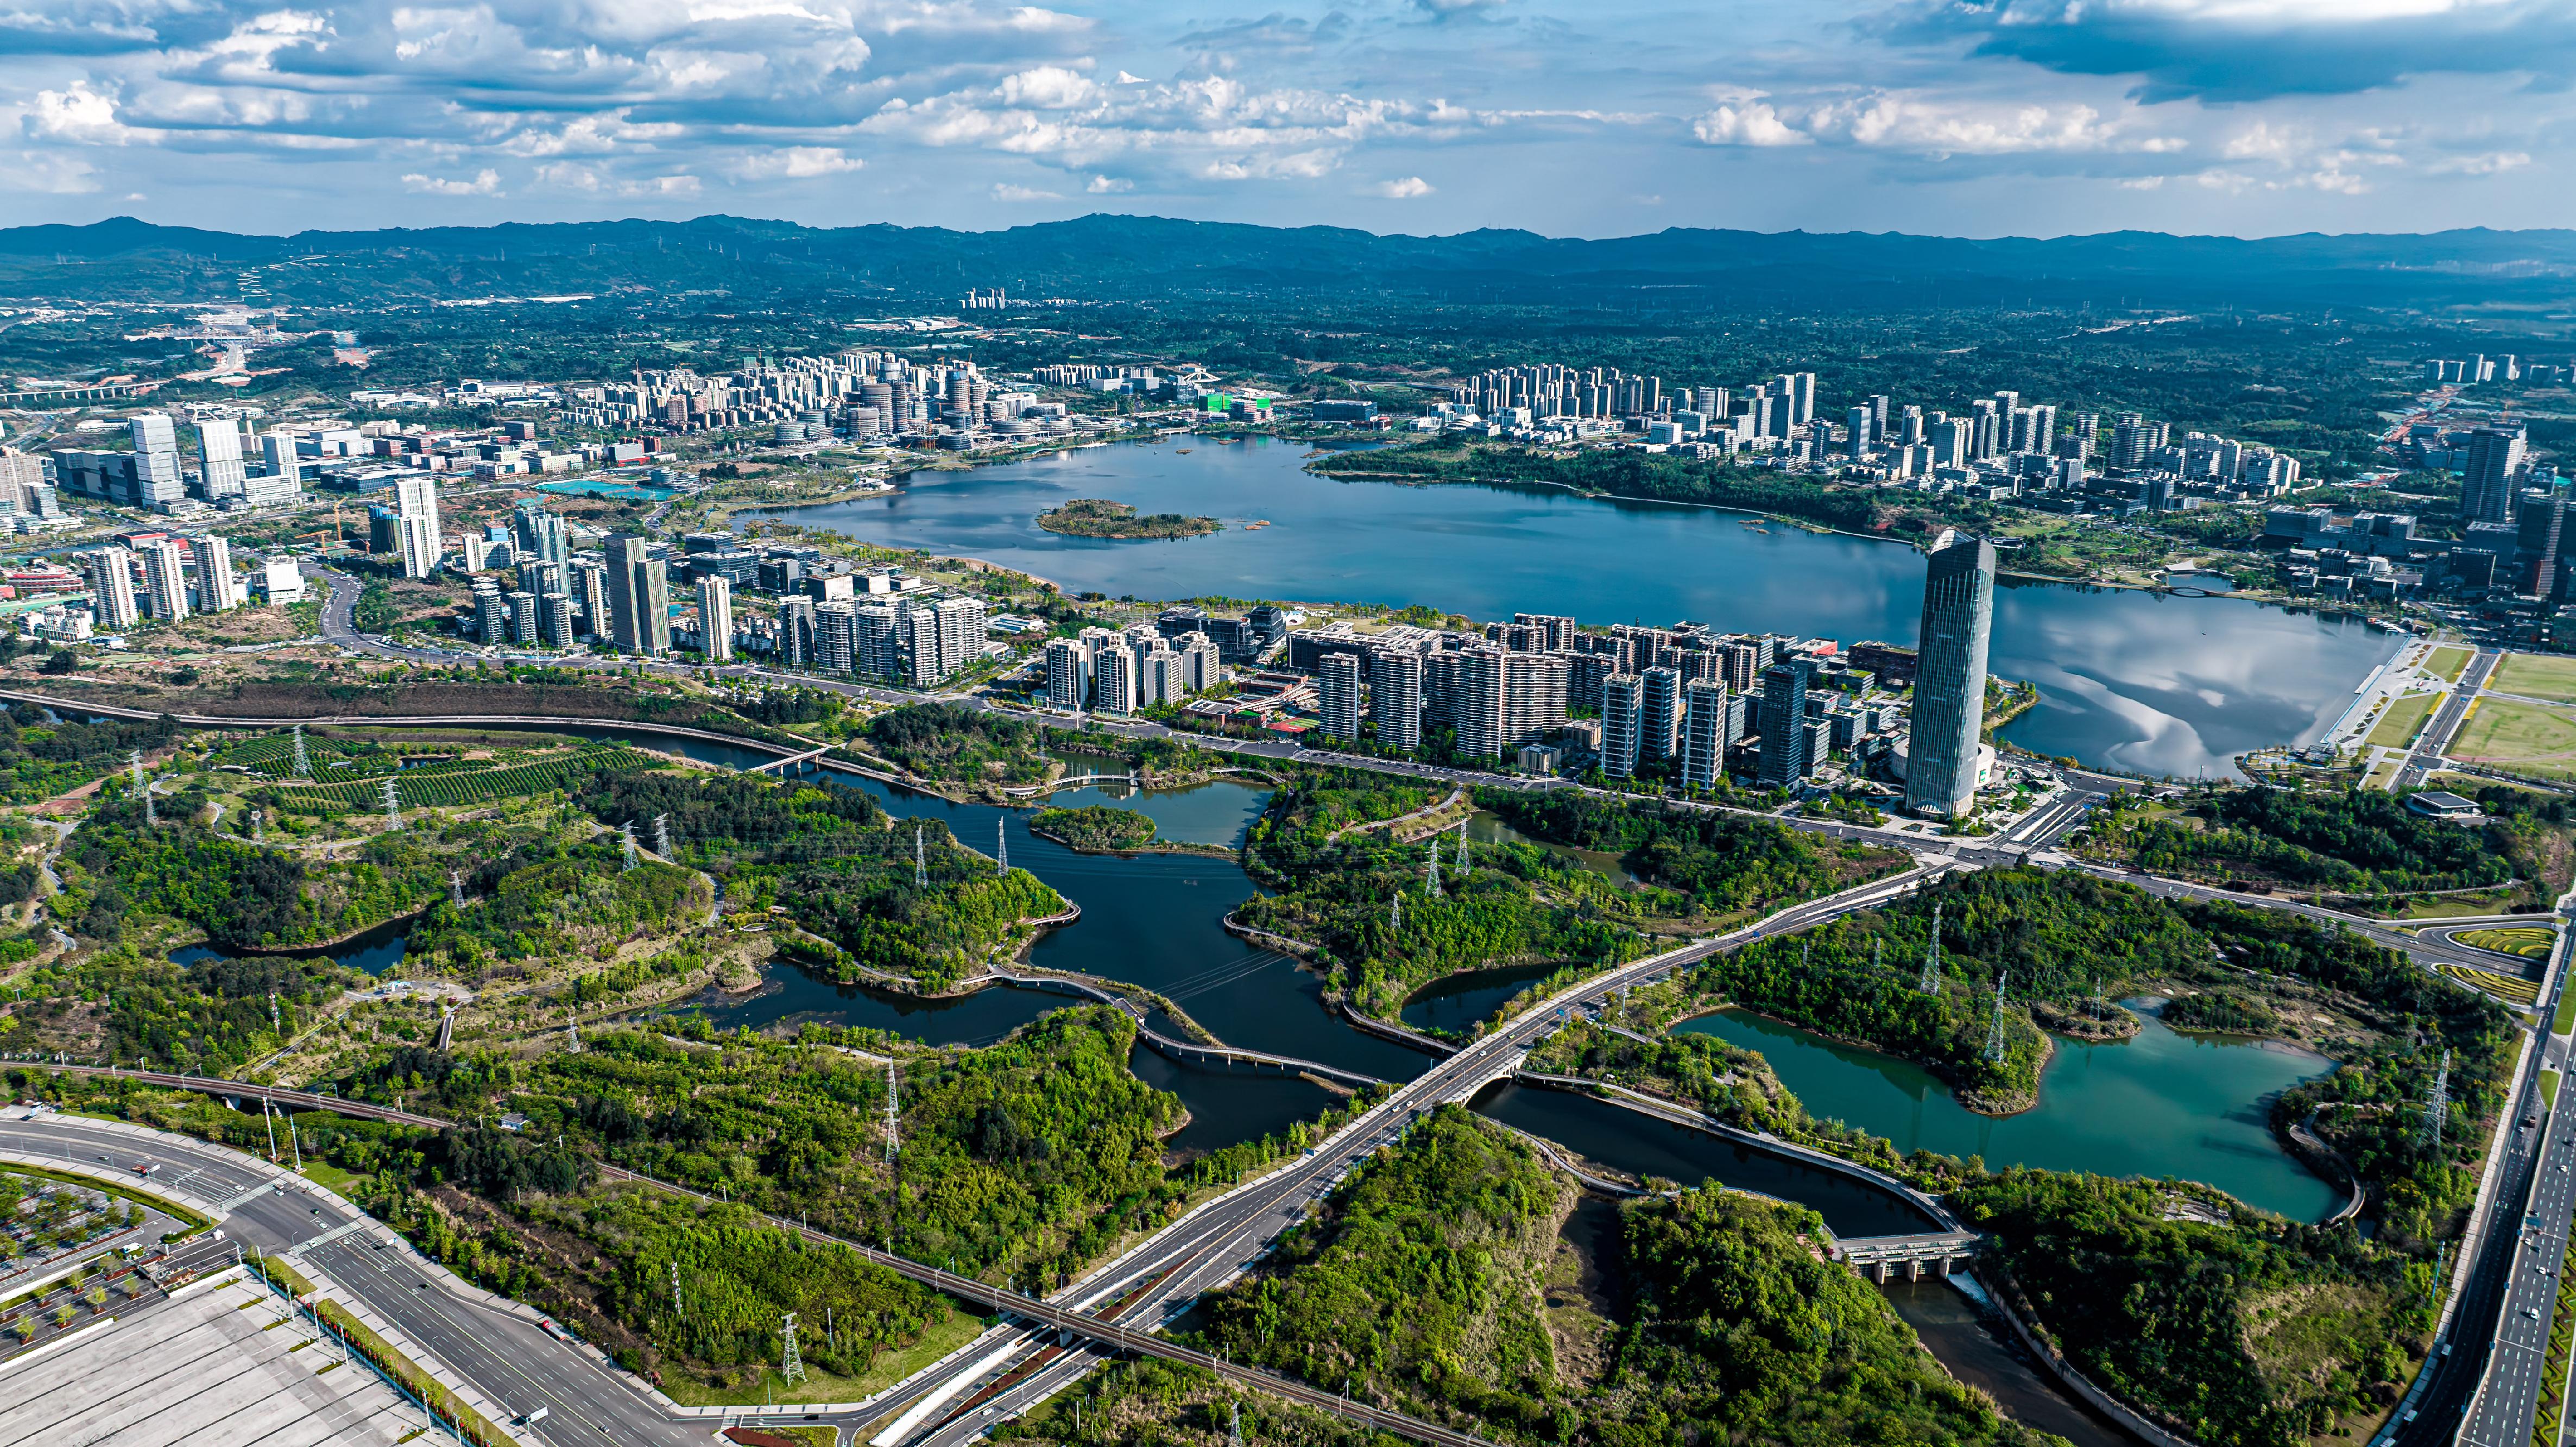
(2160, 1104)
(2130, 679)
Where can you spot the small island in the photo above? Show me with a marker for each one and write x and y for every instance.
(1095, 828)
(1094, 517)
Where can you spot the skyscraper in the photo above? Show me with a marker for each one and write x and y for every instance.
(1337, 695)
(1950, 679)
(165, 581)
(2486, 487)
(1703, 733)
(217, 590)
(639, 596)
(1660, 723)
(220, 473)
(1622, 720)
(156, 460)
(715, 619)
(111, 586)
(1395, 697)
(416, 521)
(1857, 422)
(1068, 673)
(1784, 721)
(939, 638)
(538, 534)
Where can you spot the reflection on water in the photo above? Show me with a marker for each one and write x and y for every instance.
(1484, 828)
(1459, 1002)
(374, 951)
(790, 996)
(1229, 1106)
(1215, 812)
(1645, 1146)
(2161, 1104)
(1980, 1355)
(2131, 679)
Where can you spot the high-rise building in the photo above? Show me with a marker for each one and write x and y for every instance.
(491, 611)
(217, 590)
(416, 518)
(837, 648)
(1395, 697)
(796, 623)
(1495, 699)
(715, 619)
(2487, 486)
(1068, 674)
(590, 596)
(554, 619)
(524, 619)
(220, 473)
(1857, 422)
(1660, 727)
(110, 573)
(1623, 699)
(939, 638)
(539, 534)
(165, 579)
(639, 597)
(1784, 721)
(1202, 662)
(1950, 679)
(1113, 681)
(1337, 696)
(156, 460)
(2131, 439)
(1704, 733)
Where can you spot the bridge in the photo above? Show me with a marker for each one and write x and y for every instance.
(1190, 1050)
(1882, 1254)
(782, 765)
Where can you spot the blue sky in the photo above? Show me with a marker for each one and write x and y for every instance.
(1568, 117)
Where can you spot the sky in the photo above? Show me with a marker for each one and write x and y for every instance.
(1565, 117)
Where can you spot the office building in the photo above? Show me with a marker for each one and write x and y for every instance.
(110, 572)
(1950, 680)
(1785, 759)
(1068, 674)
(639, 597)
(1395, 697)
(217, 590)
(590, 597)
(1623, 697)
(165, 579)
(416, 523)
(2487, 485)
(1857, 422)
(1704, 733)
(220, 472)
(1660, 728)
(156, 460)
(1337, 696)
(715, 619)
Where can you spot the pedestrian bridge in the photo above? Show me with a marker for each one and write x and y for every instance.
(1879, 1255)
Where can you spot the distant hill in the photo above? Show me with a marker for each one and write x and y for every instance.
(1104, 257)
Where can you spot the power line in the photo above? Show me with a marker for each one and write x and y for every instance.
(1995, 1034)
(1931, 981)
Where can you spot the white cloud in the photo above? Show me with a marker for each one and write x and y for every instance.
(76, 113)
(1109, 185)
(792, 163)
(1751, 124)
(1940, 130)
(486, 182)
(48, 173)
(2491, 163)
(1048, 87)
(1005, 191)
(1403, 188)
(1125, 79)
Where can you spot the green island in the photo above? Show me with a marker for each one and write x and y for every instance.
(1094, 827)
(1094, 517)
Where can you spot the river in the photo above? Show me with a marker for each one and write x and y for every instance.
(2129, 679)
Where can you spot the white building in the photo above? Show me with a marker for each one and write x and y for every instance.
(111, 586)
(165, 579)
(1337, 694)
(220, 473)
(416, 507)
(715, 618)
(279, 581)
(1068, 674)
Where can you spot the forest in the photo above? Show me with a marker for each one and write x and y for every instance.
(1431, 1282)
(2348, 841)
(1094, 827)
(1727, 863)
(42, 759)
(952, 744)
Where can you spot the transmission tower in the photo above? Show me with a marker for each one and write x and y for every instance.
(1395, 914)
(675, 1290)
(1435, 868)
(2437, 1102)
(1803, 947)
(1234, 1425)
(303, 761)
(894, 1139)
(920, 861)
(662, 834)
(1462, 849)
(626, 838)
(1995, 1033)
(275, 1026)
(134, 757)
(393, 807)
(572, 1032)
(1931, 982)
(256, 836)
(1877, 954)
(456, 887)
(791, 1369)
(1002, 843)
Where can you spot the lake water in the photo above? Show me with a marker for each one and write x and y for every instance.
(2130, 679)
(2159, 1104)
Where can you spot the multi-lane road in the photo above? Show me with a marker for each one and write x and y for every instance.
(2426, 756)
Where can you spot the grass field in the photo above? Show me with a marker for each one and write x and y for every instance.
(2536, 675)
(2566, 1020)
(2521, 737)
(2528, 943)
(2399, 721)
(2448, 662)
